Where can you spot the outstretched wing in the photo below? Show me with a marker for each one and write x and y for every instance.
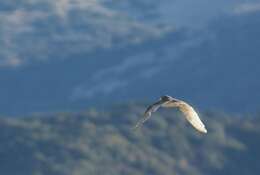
(192, 117)
(152, 108)
(189, 113)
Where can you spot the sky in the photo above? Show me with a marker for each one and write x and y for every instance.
(64, 53)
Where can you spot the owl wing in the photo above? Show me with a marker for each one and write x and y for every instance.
(193, 118)
(148, 113)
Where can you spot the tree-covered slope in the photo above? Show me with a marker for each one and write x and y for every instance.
(102, 142)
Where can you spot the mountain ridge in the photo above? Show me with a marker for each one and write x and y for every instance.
(78, 143)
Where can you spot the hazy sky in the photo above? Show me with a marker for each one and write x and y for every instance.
(197, 13)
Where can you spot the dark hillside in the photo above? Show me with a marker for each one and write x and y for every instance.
(95, 142)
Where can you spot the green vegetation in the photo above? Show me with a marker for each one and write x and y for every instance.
(102, 143)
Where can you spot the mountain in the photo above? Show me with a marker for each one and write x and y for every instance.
(102, 142)
(68, 55)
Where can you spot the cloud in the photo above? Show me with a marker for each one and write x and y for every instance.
(10, 62)
(150, 72)
(140, 61)
(102, 88)
(246, 8)
(63, 7)
(38, 30)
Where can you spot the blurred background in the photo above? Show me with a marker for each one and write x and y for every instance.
(75, 75)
